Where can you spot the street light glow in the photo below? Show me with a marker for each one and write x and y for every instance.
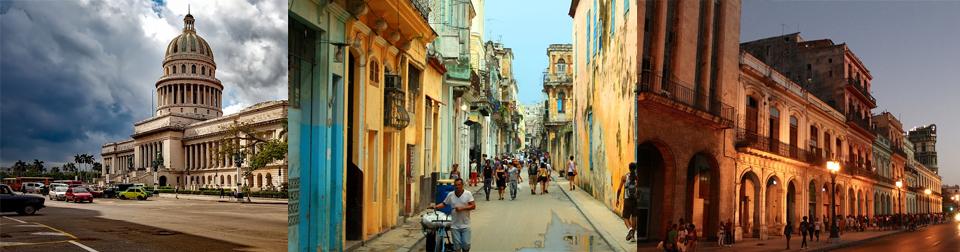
(899, 183)
(927, 191)
(833, 166)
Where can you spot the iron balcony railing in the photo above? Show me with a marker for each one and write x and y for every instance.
(748, 138)
(395, 112)
(863, 90)
(550, 78)
(899, 150)
(678, 91)
(862, 122)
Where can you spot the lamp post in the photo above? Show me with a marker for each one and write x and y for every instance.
(126, 178)
(833, 167)
(157, 163)
(899, 212)
(927, 192)
(238, 160)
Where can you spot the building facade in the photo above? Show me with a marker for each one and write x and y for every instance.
(181, 145)
(652, 84)
(558, 110)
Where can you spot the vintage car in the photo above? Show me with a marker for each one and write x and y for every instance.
(23, 204)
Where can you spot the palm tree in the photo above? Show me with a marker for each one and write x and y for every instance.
(19, 167)
(38, 166)
(78, 159)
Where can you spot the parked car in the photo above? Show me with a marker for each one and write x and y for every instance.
(96, 191)
(78, 194)
(33, 187)
(58, 193)
(110, 192)
(134, 193)
(23, 204)
(53, 186)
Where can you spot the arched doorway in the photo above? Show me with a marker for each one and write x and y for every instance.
(703, 194)
(825, 192)
(163, 180)
(651, 170)
(792, 214)
(851, 202)
(773, 205)
(812, 191)
(749, 207)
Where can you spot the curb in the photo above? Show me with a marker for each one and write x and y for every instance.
(253, 201)
(602, 236)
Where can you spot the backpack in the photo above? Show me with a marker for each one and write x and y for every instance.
(631, 187)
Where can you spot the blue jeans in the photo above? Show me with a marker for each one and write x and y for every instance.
(513, 189)
(461, 239)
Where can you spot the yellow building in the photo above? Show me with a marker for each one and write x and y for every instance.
(393, 93)
(558, 88)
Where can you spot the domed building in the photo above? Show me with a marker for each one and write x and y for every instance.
(185, 136)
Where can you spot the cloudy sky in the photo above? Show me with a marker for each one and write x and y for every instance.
(77, 74)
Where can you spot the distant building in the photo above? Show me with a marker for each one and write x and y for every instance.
(188, 126)
(558, 108)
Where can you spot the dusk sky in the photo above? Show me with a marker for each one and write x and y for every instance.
(910, 48)
(78, 74)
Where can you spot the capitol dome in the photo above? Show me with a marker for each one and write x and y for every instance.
(188, 42)
(189, 86)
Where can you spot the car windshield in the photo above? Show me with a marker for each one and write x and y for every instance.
(79, 190)
(60, 189)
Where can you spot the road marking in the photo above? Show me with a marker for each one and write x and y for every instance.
(21, 222)
(11, 244)
(83, 246)
(49, 233)
(58, 230)
(29, 226)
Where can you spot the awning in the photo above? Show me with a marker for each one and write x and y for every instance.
(472, 118)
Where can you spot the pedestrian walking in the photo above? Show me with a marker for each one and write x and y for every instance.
(487, 178)
(787, 231)
(474, 172)
(629, 182)
(514, 178)
(804, 228)
(501, 180)
(543, 176)
(572, 173)
(532, 171)
(463, 203)
(817, 226)
(221, 192)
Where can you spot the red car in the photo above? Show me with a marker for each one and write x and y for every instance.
(79, 194)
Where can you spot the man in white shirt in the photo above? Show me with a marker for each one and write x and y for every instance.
(462, 202)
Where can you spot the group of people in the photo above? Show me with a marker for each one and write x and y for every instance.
(810, 229)
(505, 172)
(680, 237)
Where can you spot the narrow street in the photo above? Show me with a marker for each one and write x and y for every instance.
(548, 222)
(157, 224)
(943, 237)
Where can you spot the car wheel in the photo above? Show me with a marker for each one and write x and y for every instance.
(141, 198)
(28, 210)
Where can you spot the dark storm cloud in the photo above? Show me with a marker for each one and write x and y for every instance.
(75, 75)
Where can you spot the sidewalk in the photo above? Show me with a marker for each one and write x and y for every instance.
(400, 238)
(606, 222)
(225, 199)
(609, 225)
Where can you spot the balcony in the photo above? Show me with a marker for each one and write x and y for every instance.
(459, 71)
(899, 150)
(422, 6)
(557, 79)
(861, 122)
(394, 99)
(679, 92)
(854, 85)
(746, 138)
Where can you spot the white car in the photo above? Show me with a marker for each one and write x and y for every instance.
(58, 193)
(33, 187)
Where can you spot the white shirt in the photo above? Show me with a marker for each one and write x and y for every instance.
(461, 219)
(570, 166)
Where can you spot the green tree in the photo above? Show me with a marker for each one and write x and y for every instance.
(19, 167)
(37, 166)
(69, 168)
(257, 148)
(55, 170)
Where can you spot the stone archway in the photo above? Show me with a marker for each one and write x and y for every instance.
(653, 172)
(703, 193)
(812, 191)
(792, 215)
(749, 207)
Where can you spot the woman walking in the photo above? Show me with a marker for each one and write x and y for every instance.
(572, 173)
(501, 179)
(543, 175)
(455, 172)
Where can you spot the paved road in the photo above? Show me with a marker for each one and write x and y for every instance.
(548, 222)
(943, 237)
(157, 224)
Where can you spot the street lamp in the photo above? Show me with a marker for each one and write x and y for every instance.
(126, 178)
(833, 167)
(157, 163)
(899, 186)
(238, 160)
(927, 192)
